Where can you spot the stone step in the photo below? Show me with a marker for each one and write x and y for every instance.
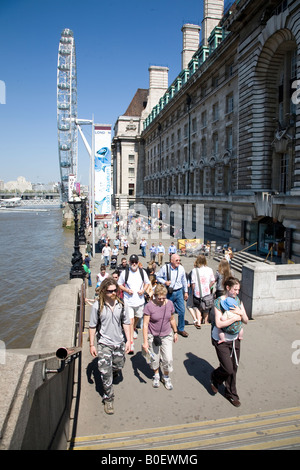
(241, 258)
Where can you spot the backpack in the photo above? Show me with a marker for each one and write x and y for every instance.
(146, 295)
(127, 274)
(98, 326)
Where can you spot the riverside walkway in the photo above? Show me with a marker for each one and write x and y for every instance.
(190, 417)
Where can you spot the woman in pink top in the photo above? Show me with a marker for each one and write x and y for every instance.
(159, 322)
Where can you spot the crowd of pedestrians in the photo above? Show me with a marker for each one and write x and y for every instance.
(134, 299)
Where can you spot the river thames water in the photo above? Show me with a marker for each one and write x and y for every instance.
(36, 254)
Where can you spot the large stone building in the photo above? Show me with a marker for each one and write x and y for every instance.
(226, 132)
(126, 144)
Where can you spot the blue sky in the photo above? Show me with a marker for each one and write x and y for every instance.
(116, 42)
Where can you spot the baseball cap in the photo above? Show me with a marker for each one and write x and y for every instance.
(134, 259)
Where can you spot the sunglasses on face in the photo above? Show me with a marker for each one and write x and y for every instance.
(111, 291)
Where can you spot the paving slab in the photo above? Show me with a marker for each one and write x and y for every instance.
(268, 375)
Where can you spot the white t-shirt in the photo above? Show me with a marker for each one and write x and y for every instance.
(206, 276)
(101, 278)
(106, 250)
(135, 283)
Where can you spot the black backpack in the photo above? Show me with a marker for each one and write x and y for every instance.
(127, 274)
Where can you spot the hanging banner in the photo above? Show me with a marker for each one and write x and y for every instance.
(71, 186)
(102, 170)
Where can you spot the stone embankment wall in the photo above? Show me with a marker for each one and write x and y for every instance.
(268, 289)
(35, 406)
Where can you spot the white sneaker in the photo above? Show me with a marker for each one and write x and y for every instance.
(167, 382)
(135, 334)
(155, 381)
(131, 348)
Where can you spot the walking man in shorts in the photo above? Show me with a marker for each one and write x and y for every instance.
(134, 281)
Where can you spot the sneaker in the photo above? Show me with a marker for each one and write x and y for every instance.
(155, 381)
(131, 348)
(109, 407)
(135, 334)
(167, 383)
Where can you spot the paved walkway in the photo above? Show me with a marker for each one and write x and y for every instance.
(268, 378)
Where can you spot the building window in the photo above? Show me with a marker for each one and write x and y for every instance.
(287, 74)
(229, 70)
(226, 222)
(185, 131)
(215, 81)
(203, 148)
(229, 103)
(215, 112)
(284, 173)
(212, 221)
(215, 145)
(131, 158)
(229, 139)
(194, 125)
(204, 119)
(131, 189)
(194, 149)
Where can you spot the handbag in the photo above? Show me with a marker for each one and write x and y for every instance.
(208, 301)
(157, 340)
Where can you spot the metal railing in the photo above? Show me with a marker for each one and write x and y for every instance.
(270, 252)
(247, 247)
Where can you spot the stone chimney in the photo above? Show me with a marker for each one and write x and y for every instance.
(212, 14)
(190, 43)
(158, 85)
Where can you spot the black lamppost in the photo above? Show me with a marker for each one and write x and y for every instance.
(77, 270)
(82, 238)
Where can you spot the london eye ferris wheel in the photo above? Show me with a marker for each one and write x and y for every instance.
(67, 111)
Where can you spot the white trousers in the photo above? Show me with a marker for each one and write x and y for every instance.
(163, 355)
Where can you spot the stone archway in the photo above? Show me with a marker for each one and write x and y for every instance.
(271, 79)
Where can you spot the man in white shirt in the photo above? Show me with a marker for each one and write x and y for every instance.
(133, 281)
(106, 251)
(172, 250)
(143, 246)
(125, 246)
(160, 253)
(153, 251)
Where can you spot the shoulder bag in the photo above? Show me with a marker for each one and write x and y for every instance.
(204, 303)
